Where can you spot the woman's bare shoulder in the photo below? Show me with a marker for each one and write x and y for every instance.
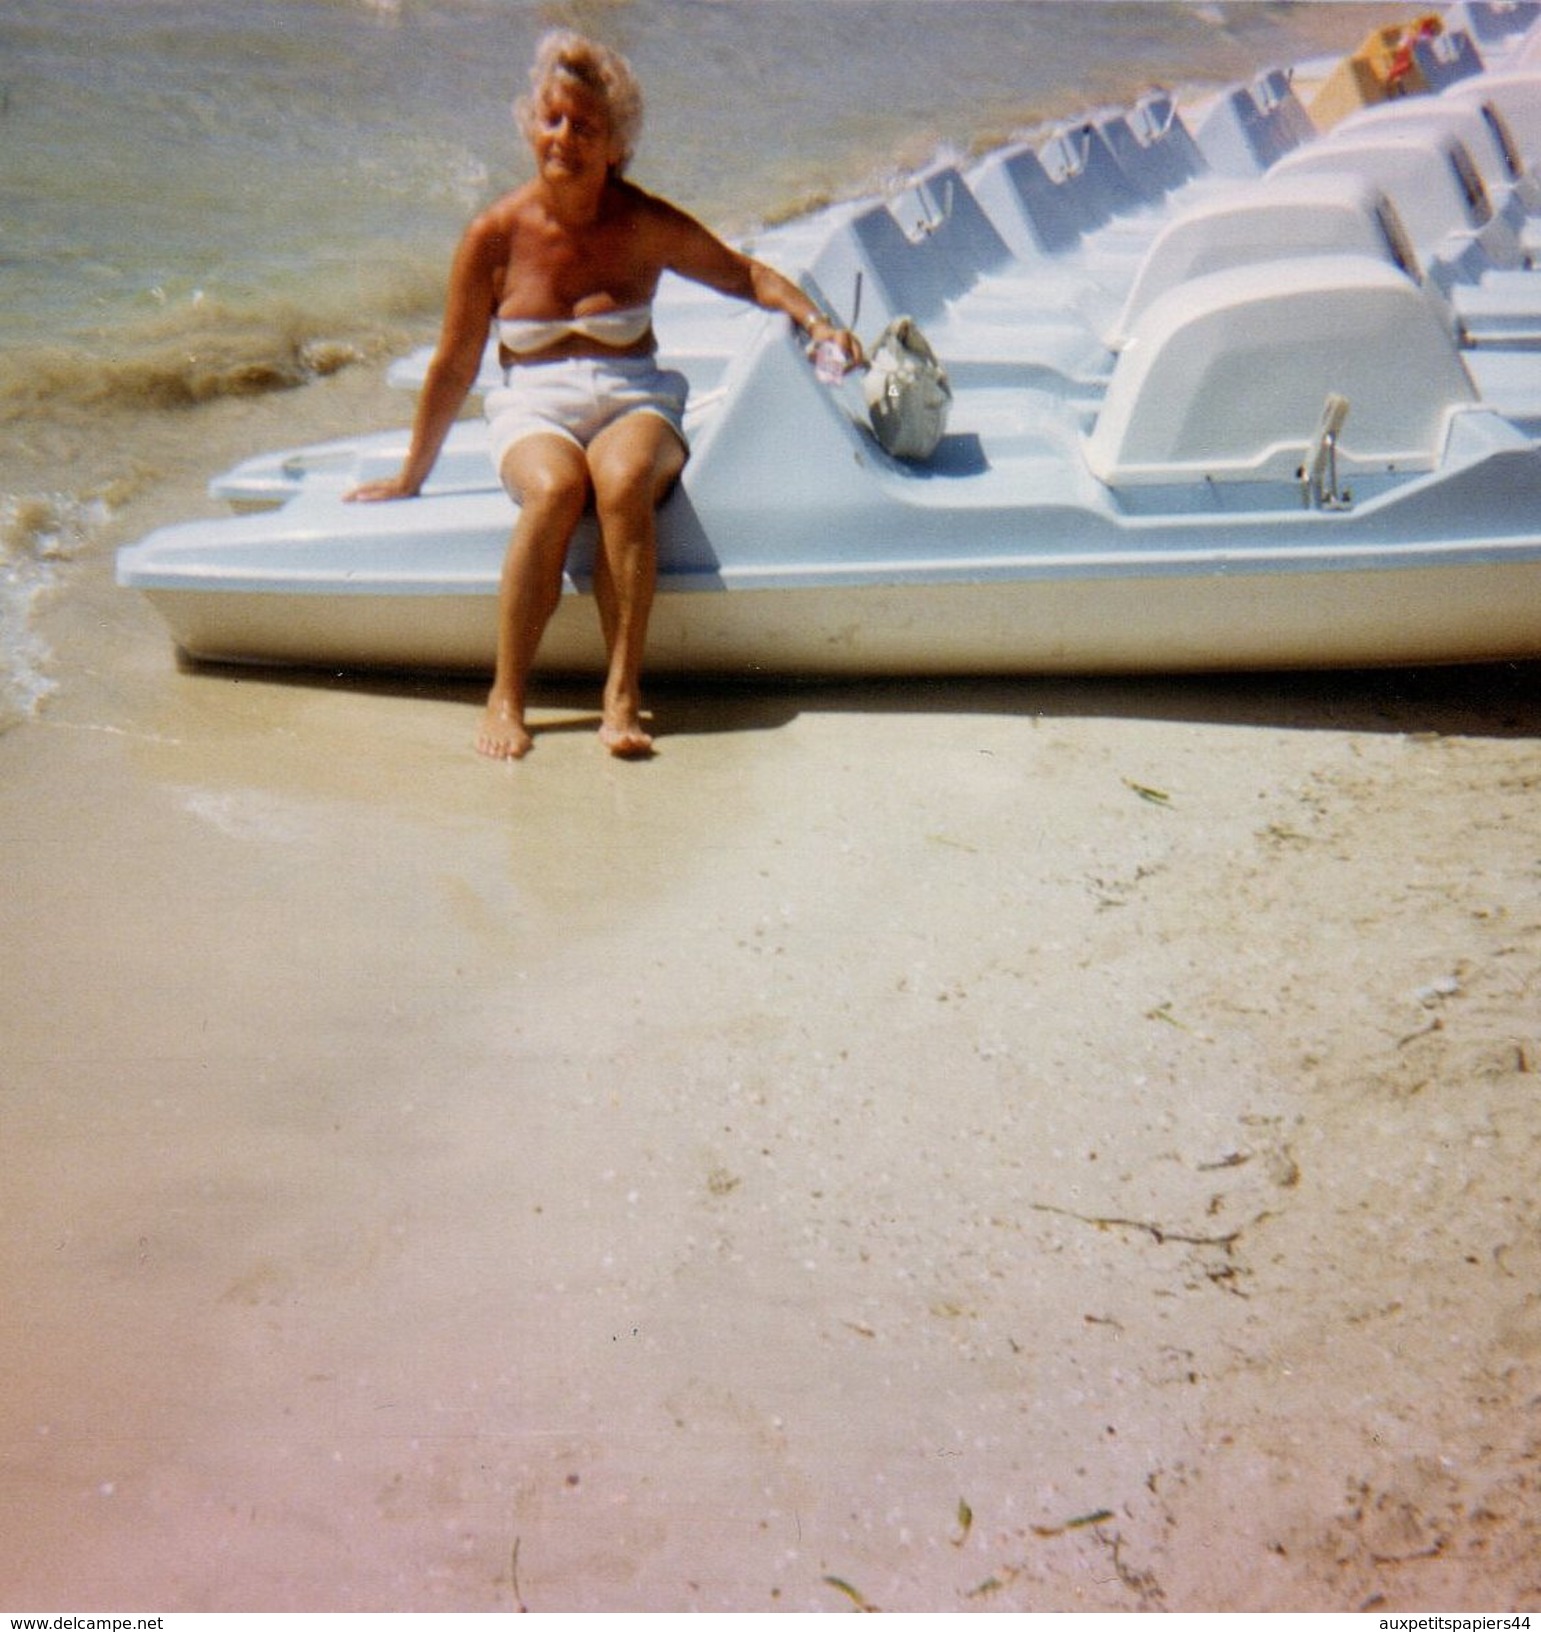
(490, 236)
(666, 221)
(655, 205)
(502, 215)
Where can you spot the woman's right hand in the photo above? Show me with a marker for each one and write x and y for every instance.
(390, 487)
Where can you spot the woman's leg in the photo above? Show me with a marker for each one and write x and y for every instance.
(633, 462)
(548, 476)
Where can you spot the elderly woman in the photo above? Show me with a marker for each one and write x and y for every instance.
(566, 267)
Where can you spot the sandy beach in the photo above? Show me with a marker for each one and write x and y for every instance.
(985, 1146)
(962, 1146)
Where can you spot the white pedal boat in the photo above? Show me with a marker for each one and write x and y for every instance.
(1240, 397)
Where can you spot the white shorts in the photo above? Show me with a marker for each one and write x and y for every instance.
(577, 397)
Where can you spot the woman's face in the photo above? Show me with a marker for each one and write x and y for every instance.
(571, 134)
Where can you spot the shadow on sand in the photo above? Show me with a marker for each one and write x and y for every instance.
(1482, 700)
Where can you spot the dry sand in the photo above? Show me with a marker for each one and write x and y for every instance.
(976, 1146)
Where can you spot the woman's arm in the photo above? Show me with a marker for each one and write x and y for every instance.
(696, 253)
(457, 361)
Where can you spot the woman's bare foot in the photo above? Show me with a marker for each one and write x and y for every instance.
(620, 730)
(503, 734)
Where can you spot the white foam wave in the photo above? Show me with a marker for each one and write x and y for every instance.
(39, 535)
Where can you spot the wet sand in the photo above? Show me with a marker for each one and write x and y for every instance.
(982, 1146)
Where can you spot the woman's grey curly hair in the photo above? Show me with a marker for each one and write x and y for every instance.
(562, 54)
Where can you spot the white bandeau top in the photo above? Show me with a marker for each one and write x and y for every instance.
(524, 335)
